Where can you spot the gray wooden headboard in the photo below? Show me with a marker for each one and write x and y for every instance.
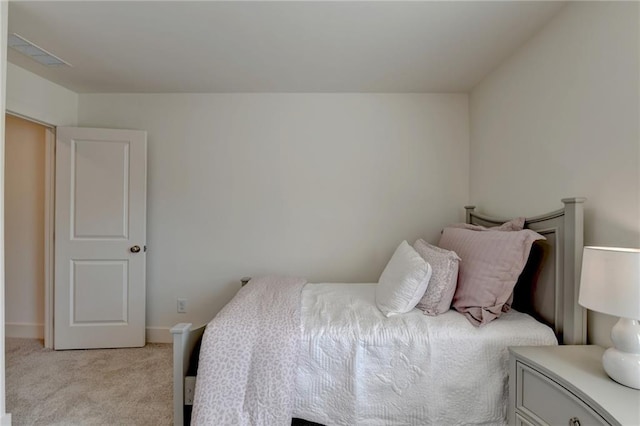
(548, 287)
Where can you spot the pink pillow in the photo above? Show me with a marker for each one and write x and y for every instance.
(489, 269)
(516, 224)
(444, 277)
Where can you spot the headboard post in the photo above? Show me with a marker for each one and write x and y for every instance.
(469, 210)
(575, 320)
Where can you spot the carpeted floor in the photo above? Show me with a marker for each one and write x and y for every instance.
(88, 387)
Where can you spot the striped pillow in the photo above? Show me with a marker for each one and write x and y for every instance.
(442, 285)
(491, 262)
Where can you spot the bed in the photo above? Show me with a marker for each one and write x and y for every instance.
(432, 349)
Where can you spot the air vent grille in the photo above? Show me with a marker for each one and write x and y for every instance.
(35, 52)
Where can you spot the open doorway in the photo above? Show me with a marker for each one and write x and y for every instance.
(28, 228)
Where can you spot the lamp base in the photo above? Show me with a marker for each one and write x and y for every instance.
(622, 362)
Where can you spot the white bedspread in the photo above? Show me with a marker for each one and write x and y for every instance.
(357, 367)
(247, 366)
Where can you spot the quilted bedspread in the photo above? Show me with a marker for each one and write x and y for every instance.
(248, 359)
(357, 367)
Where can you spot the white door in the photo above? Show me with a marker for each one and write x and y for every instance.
(100, 237)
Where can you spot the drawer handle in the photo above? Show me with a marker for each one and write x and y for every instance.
(574, 421)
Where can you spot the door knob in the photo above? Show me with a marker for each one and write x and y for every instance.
(135, 249)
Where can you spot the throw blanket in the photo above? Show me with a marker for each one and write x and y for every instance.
(248, 358)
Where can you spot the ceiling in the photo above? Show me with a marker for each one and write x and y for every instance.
(273, 46)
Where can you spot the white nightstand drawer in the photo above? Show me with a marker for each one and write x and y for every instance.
(553, 384)
(547, 402)
(521, 421)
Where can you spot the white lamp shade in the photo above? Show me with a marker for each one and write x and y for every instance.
(610, 281)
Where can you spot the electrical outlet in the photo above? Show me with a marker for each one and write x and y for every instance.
(182, 306)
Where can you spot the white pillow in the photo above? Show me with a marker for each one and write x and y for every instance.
(403, 281)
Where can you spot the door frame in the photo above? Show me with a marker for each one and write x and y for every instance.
(49, 235)
(49, 222)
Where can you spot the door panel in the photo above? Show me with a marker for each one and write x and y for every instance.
(106, 280)
(100, 182)
(100, 215)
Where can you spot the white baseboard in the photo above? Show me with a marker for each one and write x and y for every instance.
(36, 331)
(5, 420)
(159, 335)
(24, 330)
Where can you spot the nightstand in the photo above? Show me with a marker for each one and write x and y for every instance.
(566, 385)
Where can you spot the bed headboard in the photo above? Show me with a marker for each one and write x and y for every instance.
(548, 287)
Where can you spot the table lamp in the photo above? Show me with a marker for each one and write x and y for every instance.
(610, 283)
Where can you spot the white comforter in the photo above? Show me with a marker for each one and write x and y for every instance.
(357, 367)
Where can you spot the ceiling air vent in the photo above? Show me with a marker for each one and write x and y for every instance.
(36, 53)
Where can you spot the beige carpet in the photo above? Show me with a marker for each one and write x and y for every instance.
(88, 387)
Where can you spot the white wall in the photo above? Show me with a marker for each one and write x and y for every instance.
(34, 97)
(323, 186)
(24, 228)
(561, 118)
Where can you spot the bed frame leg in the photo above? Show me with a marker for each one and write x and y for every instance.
(180, 334)
(185, 339)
